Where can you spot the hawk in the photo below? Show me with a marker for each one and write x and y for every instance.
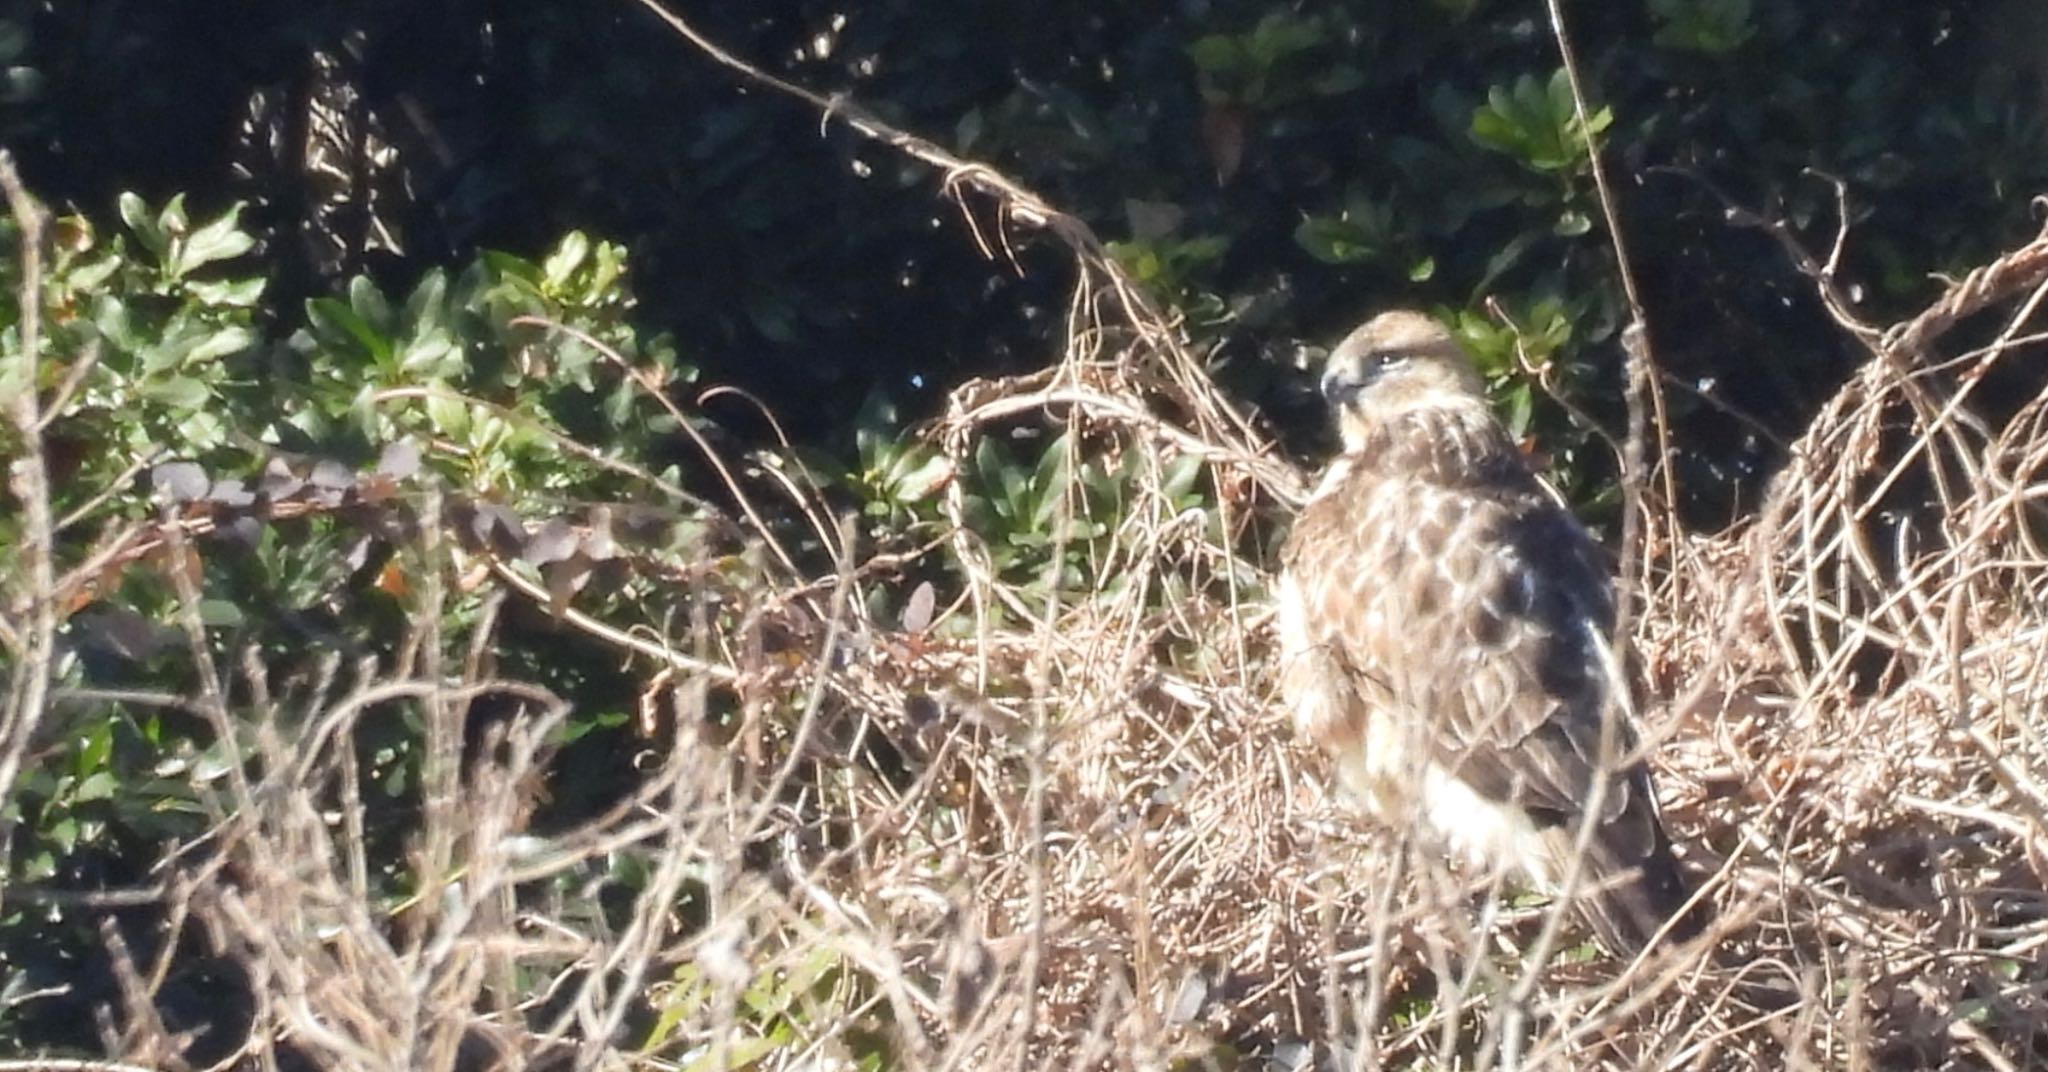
(1444, 628)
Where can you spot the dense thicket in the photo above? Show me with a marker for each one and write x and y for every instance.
(345, 276)
(1277, 168)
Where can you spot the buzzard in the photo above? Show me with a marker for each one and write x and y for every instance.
(1444, 628)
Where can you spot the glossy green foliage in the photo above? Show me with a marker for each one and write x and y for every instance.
(309, 446)
(352, 271)
(159, 321)
(1275, 170)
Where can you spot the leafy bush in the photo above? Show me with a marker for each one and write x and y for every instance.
(1278, 172)
(423, 634)
(180, 407)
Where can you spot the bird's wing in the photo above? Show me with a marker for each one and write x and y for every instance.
(1510, 601)
(1473, 620)
(1481, 612)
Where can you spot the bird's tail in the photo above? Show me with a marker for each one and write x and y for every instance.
(1632, 902)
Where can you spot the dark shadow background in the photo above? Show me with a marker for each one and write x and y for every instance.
(386, 137)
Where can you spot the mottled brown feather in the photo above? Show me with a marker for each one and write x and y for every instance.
(1445, 621)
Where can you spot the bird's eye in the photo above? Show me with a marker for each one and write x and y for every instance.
(1389, 358)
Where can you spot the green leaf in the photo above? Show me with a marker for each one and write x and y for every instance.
(219, 613)
(14, 40)
(232, 339)
(1217, 54)
(618, 406)
(1101, 487)
(203, 429)
(369, 303)
(821, 961)
(989, 462)
(563, 262)
(1536, 123)
(576, 729)
(738, 1054)
(611, 264)
(1016, 488)
(1493, 127)
(178, 392)
(1521, 407)
(1141, 258)
(424, 306)
(20, 84)
(1332, 240)
(1283, 34)
(435, 354)
(1339, 80)
(684, 999)
(1180, 478)
(110, 315)
(505, 265)
(448, 416)
(99, 785)
(342, 325)
(968, 131)
(236, 293)
(173, 219)
(923, 480)
(135, 213)
(14, 379)
(1051, 472)
(1559, 94)
(173, 344)
(94, 749)
(1506, 258)
(223, 239)
(1049, 480)
(1709, 27)
(134, 210)
(89, 276)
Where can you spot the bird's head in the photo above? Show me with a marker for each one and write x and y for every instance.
(1395, 363)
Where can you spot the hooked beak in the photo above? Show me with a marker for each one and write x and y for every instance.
(1342, 382)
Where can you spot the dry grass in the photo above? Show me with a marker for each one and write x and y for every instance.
(1105, 849)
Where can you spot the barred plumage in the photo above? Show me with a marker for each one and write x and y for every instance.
(1445, 630)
